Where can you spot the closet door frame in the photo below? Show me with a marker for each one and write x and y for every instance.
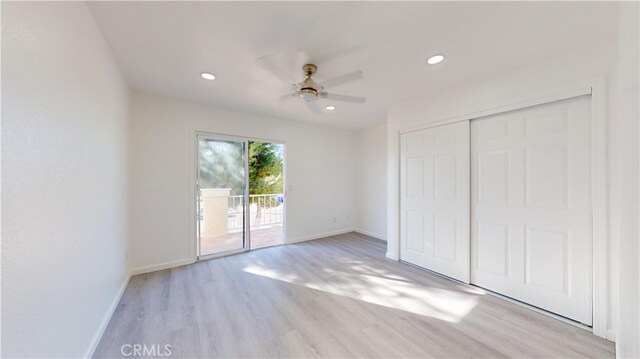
(596, 88)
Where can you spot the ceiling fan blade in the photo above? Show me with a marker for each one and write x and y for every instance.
(313, 106)
(287, 67)
(298, 60)
(273, 64)
(340, 80)
(343, 98)
(287, 97)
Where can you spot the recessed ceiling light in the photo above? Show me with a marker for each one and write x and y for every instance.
(208, 76)
(435, 59)
(330, 108)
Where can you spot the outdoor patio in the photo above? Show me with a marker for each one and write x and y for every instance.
(222, 223)
(259, 238)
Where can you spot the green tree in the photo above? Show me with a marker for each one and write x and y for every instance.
(265, 168)
(265, 172)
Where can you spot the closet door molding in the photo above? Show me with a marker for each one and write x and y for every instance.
(596, 87)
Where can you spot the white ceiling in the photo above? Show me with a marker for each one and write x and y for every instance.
(164, 46)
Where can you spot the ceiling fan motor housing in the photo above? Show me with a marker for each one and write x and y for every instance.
(308, 91)
(309, 69)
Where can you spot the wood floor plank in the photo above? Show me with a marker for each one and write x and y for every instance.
(332, 297)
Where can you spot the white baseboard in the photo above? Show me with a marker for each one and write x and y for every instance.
(320, 235)
(106, 318)
(161, 266)
(611, 335)
(182, 262)
(392, 256)
(371, 234)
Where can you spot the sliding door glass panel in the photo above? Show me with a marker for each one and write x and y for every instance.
(266, 193)
(221, 196)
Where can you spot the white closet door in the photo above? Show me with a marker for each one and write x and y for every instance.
(530, 209)
(434, 192)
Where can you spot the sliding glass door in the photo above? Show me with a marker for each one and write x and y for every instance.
(222, 196)
(240, 201)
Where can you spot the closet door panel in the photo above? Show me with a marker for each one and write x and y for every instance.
(434, 204)
(530, 206)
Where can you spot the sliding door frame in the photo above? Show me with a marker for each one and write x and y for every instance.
(196, 135)
(596, 89)
(246, 225)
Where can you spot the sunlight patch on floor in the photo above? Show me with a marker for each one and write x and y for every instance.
(438, 303)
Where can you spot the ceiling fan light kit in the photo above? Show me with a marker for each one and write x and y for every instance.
(308, 94)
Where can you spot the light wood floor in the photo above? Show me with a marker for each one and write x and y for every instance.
(333, 297)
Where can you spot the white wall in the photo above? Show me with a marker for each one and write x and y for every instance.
(64, 184)
(371, 181)
(628, 340)
(319, 167)
(596, 59)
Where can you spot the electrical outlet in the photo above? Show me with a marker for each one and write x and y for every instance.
(348, 219)
(335, 220)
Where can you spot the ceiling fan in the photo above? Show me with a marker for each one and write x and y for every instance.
(309, 90)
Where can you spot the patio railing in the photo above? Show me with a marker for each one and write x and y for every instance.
(266, 210)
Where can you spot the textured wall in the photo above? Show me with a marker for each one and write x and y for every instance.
(64, 179)
(371, 180)
(628, 340)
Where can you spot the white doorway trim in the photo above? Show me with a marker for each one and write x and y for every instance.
(596, 87)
